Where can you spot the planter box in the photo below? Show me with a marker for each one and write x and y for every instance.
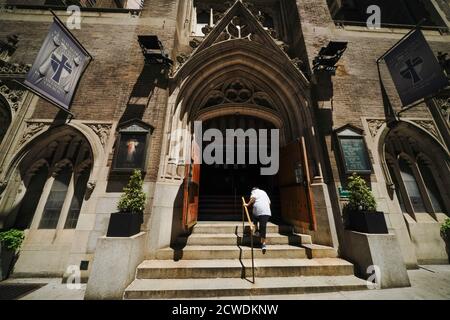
(124, 224)
(367, 222)
(6, 259)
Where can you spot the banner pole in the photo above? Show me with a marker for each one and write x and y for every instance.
(70, 33)
(425, 100)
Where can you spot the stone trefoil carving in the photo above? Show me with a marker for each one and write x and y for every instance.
(237, 91)
(102, 130)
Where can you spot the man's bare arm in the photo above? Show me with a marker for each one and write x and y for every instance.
(252, 201)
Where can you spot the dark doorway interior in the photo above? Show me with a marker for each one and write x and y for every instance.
(222, 186)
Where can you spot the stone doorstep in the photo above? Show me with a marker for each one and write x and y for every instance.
(214, 228)
(314, 251)
(197, 288)
(232, 239)
(234, 268)
(230, 252)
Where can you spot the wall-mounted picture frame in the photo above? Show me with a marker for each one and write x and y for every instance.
(132, 146)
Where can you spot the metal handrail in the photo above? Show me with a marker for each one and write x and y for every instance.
(252, 229)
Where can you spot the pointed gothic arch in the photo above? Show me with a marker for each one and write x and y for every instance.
(239, 49)
(410, 155)
(45, 180)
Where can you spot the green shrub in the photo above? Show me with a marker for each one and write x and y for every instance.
(445, 229)
(12, 239)
(360, 196)
(133, 200)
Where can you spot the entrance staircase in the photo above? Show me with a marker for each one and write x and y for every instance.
(228, 207)
(212, 262)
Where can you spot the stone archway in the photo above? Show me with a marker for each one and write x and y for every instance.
(246, 73)
(410, 155)
(55, 150)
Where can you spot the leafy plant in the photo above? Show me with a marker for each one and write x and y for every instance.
(445, 229)
(360, 196)
(12, 239)
(133, 200)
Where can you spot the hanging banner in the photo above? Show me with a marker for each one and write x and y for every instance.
(414, 68)
(58, 67)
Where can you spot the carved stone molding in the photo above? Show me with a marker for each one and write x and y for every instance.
(375, 126)
(14, 69)
(443, 104)
(31, 130)
(102, 130)
(429, 126)
(12, 96)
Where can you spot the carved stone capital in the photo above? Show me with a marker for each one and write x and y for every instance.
(375, 126)
(14, 97)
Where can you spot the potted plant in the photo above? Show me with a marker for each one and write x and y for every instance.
(361, 211)
(10, 242)
(127, 222)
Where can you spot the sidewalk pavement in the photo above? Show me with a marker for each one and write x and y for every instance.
(431, 282)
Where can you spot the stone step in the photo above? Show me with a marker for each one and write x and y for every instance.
(207, 288)
(317, 251)
(233, 227)
(230, 252)
(235, 268)
(232, 239)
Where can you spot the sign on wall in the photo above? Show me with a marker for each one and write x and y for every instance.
(58, 66)
(414, 68)
(353, 151)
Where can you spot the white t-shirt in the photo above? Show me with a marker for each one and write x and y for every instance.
(261, 206)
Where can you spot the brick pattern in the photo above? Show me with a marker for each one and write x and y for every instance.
(108, 83)
(356, 89)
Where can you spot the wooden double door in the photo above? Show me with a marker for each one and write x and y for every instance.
(293, 185)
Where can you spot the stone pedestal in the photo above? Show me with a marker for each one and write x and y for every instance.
(6, 259)
(114, 266)
(381, 251)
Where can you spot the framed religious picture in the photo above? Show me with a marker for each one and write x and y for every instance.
(132, 145)
(354, 155)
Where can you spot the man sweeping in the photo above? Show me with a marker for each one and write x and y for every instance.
(261, 213)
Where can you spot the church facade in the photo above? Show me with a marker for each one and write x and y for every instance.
(236, 65)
